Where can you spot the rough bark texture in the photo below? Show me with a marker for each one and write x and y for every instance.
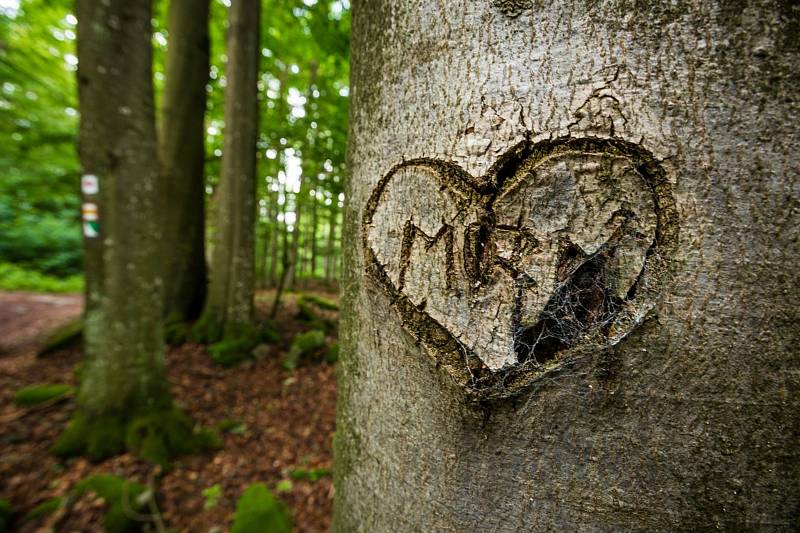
(233, 263)
(182, 156)
(586, 149)
(124, 370)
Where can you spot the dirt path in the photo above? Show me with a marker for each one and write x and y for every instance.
(25, 318)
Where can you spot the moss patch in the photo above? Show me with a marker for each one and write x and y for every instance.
(36, 394)
(207, 330)
(124, 500)
(157, 436)
(259, 510)
(44, 508)
(176, 330)
(66, 336)
(238, 343)
(313, 474)
(302, 346)
(5, 515)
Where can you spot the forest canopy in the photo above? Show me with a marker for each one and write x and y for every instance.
(302, 91)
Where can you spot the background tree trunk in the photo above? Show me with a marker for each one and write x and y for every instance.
(688, 420)
(233, 262)
(182, 156)
(124, 370)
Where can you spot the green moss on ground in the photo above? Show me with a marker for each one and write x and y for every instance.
(66, 336)
(207, 330)
(43, 509)
(312, 474)
(157, 436)
(176, 330)
(308, 311)
(332, 355)
(238, 343)
(5, 515)
(124, 500)
(319, 301)
(36, 394)
(302, 346)
(258, 510)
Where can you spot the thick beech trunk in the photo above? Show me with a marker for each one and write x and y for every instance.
(570, 293)
(124, 370)
(230, 299)
(182, 156)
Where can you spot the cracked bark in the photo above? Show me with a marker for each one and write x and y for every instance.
(690, 421)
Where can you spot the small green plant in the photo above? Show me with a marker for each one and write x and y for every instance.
(212, 495)
(303, 345)
(16, 278)
(234, 427)
(36, 394)
(258, 510)
(64, 336)
(126, 501)
(284, 485)
(312, 474)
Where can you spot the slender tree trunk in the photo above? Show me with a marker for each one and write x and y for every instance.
(266, 237)
(230, 298)
(312, 247)
(274, 240)
(285, 258)
(182, 156)
(331, 255)
(124, 369)
(291, 267)
(570, 294)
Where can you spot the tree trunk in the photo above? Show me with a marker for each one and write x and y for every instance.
(273, 261)
(312, 246)
(182, 156)
(569, 293)
(124, 370)
(331, 256)
(231, 290)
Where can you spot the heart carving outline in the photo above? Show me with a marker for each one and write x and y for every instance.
(498, 256)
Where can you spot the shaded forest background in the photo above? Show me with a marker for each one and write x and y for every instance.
(302, 92)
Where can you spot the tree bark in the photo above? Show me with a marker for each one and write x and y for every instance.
(569, 295)
(182, 156)
(231, 289)
(124, 370)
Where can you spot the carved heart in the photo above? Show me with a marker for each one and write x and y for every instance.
(559, 249)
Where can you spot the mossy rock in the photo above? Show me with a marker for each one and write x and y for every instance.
(238, 343)
(258, 510)
(319, 301)
(121, 496)
(65, 336)
(5, 515)
(157, 437)
(302, 346)
(36, 394)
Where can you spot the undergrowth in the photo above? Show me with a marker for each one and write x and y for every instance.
(16, 278)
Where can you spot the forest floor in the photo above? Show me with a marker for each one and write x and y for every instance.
(281, 426)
